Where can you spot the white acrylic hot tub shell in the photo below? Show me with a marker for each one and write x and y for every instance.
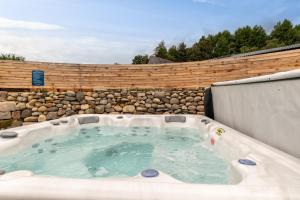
(276, 175)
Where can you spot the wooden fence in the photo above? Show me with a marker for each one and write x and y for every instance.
(175, 75)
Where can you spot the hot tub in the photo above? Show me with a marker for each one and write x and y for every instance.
(141, 157)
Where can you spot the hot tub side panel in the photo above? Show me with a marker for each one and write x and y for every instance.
(267, 111)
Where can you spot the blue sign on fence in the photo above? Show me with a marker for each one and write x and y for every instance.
(38, 78)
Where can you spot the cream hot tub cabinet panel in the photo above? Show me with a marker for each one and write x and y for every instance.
(191, 157)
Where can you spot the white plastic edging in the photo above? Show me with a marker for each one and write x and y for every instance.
(273, 77)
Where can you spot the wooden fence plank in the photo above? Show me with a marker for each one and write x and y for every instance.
(175, 75)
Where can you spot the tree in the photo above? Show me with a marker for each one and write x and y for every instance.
(243, 38)
(284, 32)
(245, 49)
(224, 44)
(204, 49)
(273, 43)
(179, 53)
(258, 37)
(297, 32)
(173, 53)
(182, 52)
(161, 51)
(140, 59)
(250, 39)
(11, 57)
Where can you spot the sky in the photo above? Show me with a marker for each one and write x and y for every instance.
(113, 31)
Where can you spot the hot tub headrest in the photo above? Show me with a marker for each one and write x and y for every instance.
(181, 119)
(88, 120)
(9, 135)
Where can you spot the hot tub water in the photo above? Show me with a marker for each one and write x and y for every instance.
(107, 151)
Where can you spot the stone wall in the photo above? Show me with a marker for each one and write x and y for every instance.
(19, 108)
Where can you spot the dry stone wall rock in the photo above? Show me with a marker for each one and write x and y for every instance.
(19, 107)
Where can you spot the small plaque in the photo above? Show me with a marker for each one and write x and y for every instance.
(38, 78)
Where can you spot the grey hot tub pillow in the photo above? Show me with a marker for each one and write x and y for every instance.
(88, 120)
(181, 119)
(9, 135)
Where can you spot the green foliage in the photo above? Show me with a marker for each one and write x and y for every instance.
(11, 57)
(203, 49)
(182, 52)
(246, 49)
(173, 53)
(161, 51)
(140, 59)
(284, 32)
(297, 33)
(224, 44)
(273, 43)
(244, 39)
(258, 37)
(178, 54)
(250, 39)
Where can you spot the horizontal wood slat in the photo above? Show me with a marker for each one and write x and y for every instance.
(175, 75)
